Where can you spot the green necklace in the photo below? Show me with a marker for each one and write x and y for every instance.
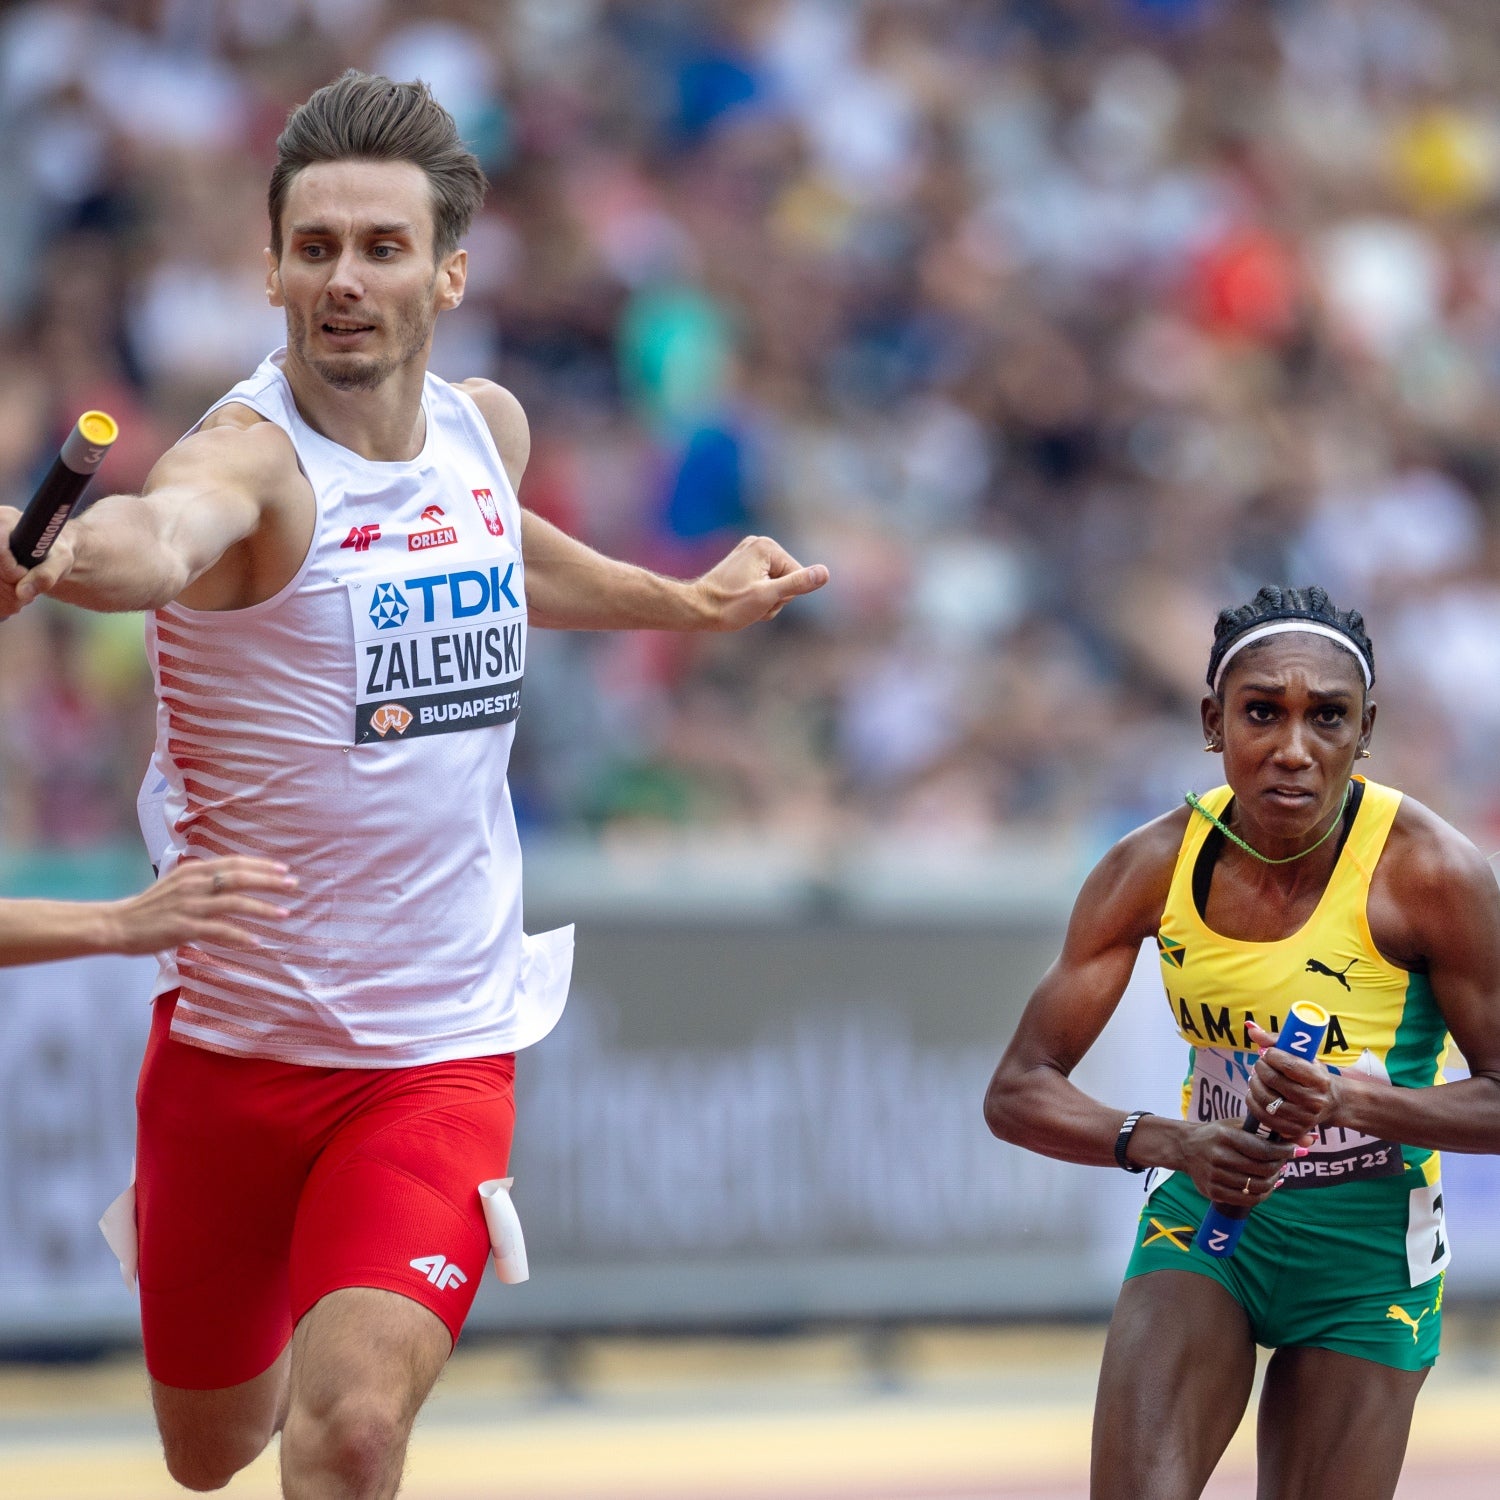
(1192, 801)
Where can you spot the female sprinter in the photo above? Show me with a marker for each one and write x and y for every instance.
(1296, 881)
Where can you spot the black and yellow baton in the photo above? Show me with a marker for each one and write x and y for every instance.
(57, 496)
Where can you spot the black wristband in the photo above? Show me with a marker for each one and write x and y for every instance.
(1122, 1141)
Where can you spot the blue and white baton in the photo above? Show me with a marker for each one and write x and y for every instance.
(1302, 1036)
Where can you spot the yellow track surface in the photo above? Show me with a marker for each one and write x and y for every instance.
(962, 1416)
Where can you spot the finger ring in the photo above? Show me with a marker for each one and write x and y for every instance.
(1246, 1188)
(217, 884)
(1275, 1104)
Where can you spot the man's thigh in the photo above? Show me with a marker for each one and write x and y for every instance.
(366, 1348)
(220, 1170)
(208, 1436)
(262, 1187)
(362, 1363)
(393, 1204)
(388, 1250)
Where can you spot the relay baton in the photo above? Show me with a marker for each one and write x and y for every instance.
(58, 494)
(1302, 1036)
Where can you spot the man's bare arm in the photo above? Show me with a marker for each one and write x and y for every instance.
(135, 552)
(569, 586)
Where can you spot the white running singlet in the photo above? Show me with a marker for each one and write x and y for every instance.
(358, 726)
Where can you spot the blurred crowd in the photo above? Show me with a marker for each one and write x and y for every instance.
(1052, 326)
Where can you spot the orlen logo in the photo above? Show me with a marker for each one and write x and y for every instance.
(439, 536)
(390, 718)
(360, 537)
(485, 500)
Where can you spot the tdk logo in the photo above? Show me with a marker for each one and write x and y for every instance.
(388, 608)
(468, 593)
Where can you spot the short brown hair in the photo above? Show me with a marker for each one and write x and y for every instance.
(362, 116)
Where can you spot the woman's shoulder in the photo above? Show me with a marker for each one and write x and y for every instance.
(1433, 895)
(1427, 852)
(1159, 840)
(1129, 886)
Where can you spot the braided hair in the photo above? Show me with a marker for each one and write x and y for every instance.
(1273, 604)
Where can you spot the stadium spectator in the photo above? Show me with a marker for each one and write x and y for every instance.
(1047, 324)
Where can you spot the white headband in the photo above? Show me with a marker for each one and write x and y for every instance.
(1281, 627)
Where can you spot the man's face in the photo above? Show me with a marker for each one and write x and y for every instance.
(357, 275)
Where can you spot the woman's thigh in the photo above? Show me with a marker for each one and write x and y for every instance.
(1333, 1426)
(1178, 1366)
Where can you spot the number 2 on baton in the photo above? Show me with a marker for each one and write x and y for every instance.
(57, 496)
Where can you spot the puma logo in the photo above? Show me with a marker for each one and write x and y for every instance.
(1400, 1315)
(1316, 966)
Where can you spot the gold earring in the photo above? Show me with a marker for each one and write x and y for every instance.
(1364, 755)
(1212, 749)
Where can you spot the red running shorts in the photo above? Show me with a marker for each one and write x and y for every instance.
(262, 1186)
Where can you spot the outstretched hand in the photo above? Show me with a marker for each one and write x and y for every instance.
(203, 901)
(19, 585)
(754, 582)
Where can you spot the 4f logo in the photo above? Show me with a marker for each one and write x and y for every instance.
(360, 537)
(485, 500)
(442, 1273)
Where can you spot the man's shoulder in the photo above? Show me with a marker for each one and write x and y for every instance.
(241, 430)
(506, 419)
(237, 440)
(235, 415)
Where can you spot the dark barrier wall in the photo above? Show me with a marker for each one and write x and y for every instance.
(734, 1123)
(782, 1120)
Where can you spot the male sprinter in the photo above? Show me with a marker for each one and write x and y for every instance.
(342, 582)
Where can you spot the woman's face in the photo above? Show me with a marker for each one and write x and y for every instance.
(1291, 718)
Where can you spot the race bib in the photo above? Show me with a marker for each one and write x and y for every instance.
(438, 652)
(1220, 1087)
(1427, 1248)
